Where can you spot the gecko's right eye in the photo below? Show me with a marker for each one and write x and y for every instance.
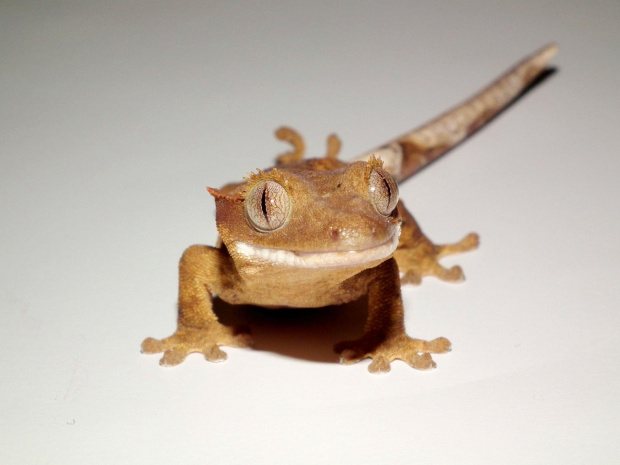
(267, 206)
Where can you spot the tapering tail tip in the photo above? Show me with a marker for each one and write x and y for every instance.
(410, 152)
(549, 51)
(544, 55)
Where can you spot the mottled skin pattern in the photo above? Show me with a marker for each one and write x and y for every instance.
(319, 232)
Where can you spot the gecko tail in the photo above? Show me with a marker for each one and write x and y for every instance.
(408, 154)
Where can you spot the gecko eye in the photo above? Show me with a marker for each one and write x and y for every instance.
(267, 206)
(383, 191)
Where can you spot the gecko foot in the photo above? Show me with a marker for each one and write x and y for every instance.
(414, 352)
(205, 340)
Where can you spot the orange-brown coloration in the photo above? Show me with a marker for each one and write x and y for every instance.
(321, 232)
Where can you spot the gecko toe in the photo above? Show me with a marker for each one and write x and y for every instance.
(440, 345)
(215, 354)
(151, 346)
(172, 358)
(379, 365)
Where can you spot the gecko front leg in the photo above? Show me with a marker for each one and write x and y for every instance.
(384, 339)
(417, 256)
(202, 272)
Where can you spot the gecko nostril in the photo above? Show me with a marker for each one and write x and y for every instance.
(334, 233)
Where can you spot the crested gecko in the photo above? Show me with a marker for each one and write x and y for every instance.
(317, 232)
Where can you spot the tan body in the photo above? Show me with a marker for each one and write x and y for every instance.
(320, 232)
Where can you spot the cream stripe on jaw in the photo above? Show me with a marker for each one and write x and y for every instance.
(318, 259)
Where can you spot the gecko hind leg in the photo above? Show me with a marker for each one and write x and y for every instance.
(417, 256)
(454, 274)
(423, 260)
(469, 242)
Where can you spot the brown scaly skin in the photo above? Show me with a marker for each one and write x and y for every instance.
(319, 232)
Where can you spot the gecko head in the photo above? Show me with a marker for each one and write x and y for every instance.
(338, 215)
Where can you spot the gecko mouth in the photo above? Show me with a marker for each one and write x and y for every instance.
(319, 259)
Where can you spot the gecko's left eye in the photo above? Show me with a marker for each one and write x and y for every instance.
(267, 206)
(383, 191)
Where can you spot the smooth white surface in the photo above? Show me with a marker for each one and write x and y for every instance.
(114, 116)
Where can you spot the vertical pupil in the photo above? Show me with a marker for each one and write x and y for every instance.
(387, 188)
(263, 202)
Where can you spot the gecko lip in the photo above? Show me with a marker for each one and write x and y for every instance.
(320, 259)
